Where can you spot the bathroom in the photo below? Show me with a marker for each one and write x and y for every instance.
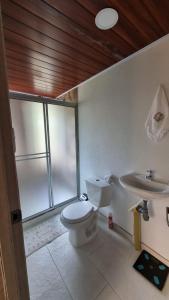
(108, 138)
(112, 111)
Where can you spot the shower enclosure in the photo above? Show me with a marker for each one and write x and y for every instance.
(46, 154)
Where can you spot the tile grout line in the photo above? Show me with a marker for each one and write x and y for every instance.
(99, 271)
(44, 245)
(100, 292)
(39, 226)
(59, 273)
(92, 262)
(107, 283)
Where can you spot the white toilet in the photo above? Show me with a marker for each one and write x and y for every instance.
(81, 217)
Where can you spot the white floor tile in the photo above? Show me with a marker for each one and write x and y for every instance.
(54, 293)
(95, 244)
(41, 233)
(100, 270)
(116, 267)
(44, 278)
(108, 294)
(79, 273)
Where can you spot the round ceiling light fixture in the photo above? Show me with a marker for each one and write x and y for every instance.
(106, 18)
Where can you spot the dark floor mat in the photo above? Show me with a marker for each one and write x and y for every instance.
(152, 269)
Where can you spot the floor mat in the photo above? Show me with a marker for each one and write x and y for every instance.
(152, 269)
(42, 233)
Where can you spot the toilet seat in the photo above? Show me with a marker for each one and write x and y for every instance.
(77, 212)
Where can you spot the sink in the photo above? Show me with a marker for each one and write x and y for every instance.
(143, 188)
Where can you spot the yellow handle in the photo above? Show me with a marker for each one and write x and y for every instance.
(137, 229)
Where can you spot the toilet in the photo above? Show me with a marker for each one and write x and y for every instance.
(80, 218)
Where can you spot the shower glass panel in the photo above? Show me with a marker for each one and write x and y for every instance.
(33, 185)
(28, 122)
(45, 155)
(32, 156)
(63, 152)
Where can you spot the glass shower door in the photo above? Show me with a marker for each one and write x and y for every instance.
(45, 155)
(63, 152)
(31, 156)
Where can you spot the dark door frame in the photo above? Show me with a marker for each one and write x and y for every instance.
(11, 235)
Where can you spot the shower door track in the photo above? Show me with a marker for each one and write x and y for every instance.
(48, 210)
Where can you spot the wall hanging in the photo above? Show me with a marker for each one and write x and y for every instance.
(157, 123)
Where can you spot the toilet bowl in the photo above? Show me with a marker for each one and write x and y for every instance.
(80, 218)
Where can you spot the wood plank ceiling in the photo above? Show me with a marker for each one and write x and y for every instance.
(53, 45)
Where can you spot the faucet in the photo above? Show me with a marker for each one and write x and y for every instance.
(149, 175)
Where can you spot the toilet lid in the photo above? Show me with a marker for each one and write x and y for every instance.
(77, 212)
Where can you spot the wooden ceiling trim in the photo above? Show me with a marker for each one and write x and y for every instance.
(50, 15)
(23, 42)
(38, 71)
(156, 10)
(26, 42)
(28, 90)
(60, 68)
(21, 75)
(86, 20)
(31, 22)
(52, 60)
(21, 61)
(26, 33)
(28, 83)
(43, 88)
(31, 72)
(53, 46)
(20, 40)
(35, 82)
(137, 15)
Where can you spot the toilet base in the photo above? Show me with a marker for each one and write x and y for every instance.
(83, 234)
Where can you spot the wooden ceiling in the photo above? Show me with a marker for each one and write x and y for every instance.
(53, 45)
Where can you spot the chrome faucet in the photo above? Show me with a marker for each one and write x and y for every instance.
(149, 175)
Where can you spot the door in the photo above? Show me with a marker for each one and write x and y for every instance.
(11, 236)
(62, 136)
(32, 156)
(46, 157)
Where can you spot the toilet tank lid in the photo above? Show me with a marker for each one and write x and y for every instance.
(78, 211)
(99, 182)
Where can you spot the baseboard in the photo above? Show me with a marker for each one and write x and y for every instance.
(129, 236)
(155, 253)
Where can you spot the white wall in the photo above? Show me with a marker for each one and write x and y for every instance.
(112, 112)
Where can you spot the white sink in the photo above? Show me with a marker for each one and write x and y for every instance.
(143, 188)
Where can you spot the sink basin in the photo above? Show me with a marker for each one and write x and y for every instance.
(143, 188)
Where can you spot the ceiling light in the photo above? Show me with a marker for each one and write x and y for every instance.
(106, 18)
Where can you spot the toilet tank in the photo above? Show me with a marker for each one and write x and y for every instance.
(99, 191)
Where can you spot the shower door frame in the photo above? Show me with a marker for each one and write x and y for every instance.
(45, 101)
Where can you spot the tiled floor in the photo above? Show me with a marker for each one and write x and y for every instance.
(41, 233)
(101, 270)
